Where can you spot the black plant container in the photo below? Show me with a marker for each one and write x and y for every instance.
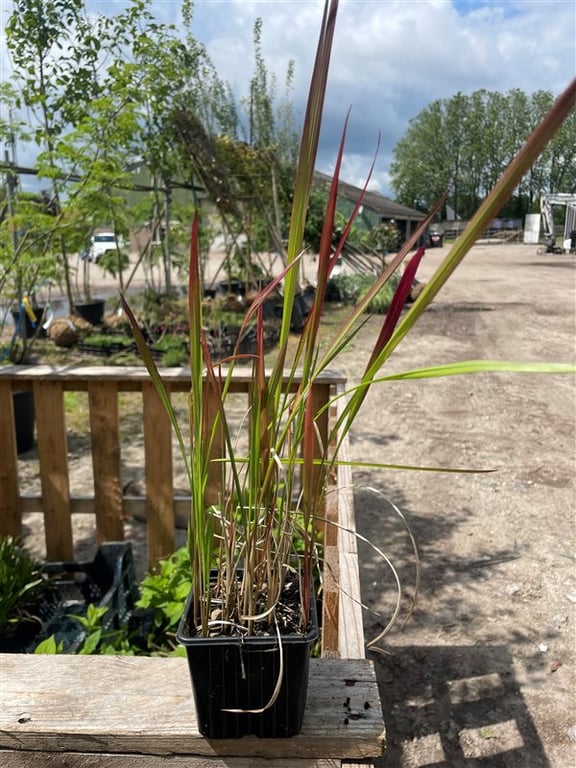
(31, 329)
(92, 311)
(233, 673)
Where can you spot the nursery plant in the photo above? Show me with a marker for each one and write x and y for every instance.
(253, 543)
(21, 584)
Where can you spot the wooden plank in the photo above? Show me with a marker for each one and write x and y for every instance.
(105, 439)
(51, 432)
(10, 507)
(363, 764)
(144, 705)
(331, 626)
(320, 396)
(351, 636)
(159, 476)
(25, 759)
(131, 378)
(134, 506)
(347, 539)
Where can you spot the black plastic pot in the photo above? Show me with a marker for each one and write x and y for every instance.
(29, 326)
(24, 419)
(92, 311)
(234, 673)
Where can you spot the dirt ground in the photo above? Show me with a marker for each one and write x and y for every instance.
(484, 673)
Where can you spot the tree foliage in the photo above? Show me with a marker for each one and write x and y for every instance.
(108, 92)
(462, 143)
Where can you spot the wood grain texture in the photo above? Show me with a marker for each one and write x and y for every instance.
(350, 642)
(144, 706)
(159, 476)
(131, 378)
(330, 602)
(351, 636)
(21, 759)
(52, 452)
(10, 506)
(105, 439)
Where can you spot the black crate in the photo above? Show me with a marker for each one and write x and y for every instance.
(107, 581)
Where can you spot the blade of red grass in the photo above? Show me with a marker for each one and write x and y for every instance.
(397, 304)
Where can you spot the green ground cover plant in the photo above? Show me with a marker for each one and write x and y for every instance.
(351, 289)
(151, 630)
(21, 585)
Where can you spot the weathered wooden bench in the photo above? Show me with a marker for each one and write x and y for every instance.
(124, 712)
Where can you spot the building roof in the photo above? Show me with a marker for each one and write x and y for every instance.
(374, 201)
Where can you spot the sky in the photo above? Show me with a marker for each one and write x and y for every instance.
(391, 58)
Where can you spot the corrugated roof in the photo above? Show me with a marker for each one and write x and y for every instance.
(374, 201)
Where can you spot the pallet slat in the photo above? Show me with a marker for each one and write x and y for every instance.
(10, 505)
(105, 437)
(52, 451)
(145, 706)
(14, 759)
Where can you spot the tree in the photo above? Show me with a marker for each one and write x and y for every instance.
(245, 162)
(105, 91)
(461, 145)
(161, 78)
(99, 89)
(56, 51)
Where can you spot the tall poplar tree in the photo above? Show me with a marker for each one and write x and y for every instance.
(461, 145)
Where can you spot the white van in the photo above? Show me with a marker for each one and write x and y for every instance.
(101, 243)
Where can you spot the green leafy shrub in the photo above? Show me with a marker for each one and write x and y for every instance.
(351, 289)
(163, 594)
(21, 585)
(172, 358)
(151, 630)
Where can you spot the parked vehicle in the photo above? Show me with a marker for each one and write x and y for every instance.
(436, 239)
(568, 242)
(101, 243)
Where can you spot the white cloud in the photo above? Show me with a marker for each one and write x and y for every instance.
(391, 59)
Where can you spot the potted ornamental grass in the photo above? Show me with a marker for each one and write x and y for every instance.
(257, 504)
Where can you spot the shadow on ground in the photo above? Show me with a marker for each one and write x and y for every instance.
(455, 707)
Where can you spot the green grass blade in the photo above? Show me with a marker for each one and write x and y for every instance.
(481, 366)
